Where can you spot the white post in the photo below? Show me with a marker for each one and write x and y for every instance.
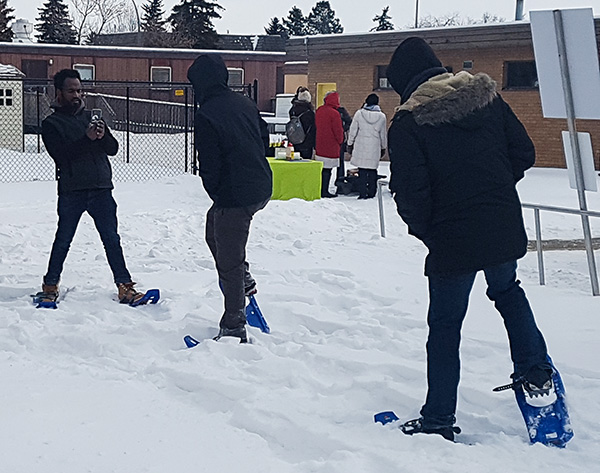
(570, 108)
(538, 243)
(380, 185)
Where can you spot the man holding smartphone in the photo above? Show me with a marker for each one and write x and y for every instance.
(80, 146)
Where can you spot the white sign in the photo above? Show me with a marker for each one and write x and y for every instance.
(587, 161)
(582, 55)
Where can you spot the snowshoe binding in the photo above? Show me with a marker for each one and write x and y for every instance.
(239, 332)
(47, 298)
(419, 426)
(128, 295)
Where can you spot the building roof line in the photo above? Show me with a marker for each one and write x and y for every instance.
(112, 49)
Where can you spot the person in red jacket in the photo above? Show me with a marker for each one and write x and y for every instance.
(330, 136)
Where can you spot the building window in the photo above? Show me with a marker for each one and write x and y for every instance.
(160, 74)
(86, 71)
(6, 97)
(236, 77)
(381, 81)
(467, 65)
(520, 75)
(35, 68)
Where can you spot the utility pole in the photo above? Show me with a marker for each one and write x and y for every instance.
(137, 15)
(519, 10)
(417, 14)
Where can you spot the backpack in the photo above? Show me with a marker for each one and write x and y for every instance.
(295, 131)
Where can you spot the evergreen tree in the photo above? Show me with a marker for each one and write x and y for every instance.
(276, 28)
(295, 23)
(192, 22)
(6, 34)
(383, 21)
(54, 24)
(322, 20)
(152, 19)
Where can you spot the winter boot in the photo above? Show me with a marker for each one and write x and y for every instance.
(233, 324)
(325, 179)
(49, 293)
(250, 290)
(420, 426)
(128, 295)
(538, 385)
(239, 332)
(249, 283)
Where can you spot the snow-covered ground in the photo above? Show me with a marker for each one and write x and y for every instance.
(96, 386)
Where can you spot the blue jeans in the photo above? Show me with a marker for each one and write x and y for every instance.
(103, 209)
(449, 298)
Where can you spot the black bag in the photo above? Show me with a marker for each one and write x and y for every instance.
(295, 130)
(347, 185)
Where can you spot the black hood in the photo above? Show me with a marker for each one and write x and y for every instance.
(413, 63)
(209, 76)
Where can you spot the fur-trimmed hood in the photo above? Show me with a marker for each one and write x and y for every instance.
(449, 98)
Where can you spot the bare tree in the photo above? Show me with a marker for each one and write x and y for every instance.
(449, 19)
(454, 19)
(91, 17)
(488, 17)
(125, 22)
(83, 12)
(108, 11)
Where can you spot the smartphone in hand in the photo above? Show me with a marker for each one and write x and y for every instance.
(96, 115)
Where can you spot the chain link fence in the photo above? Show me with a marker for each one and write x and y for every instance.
(153, 123)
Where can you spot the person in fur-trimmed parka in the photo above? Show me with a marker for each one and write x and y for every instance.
(457, 151)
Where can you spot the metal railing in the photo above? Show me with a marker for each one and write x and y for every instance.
(539, 247)
(538, 233)
(153, 123)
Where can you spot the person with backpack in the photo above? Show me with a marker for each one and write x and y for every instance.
(367, 142)
(302, 111)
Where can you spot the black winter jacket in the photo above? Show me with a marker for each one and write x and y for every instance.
(82, 164)
(456, 151)
(306, 112)
(231, 138)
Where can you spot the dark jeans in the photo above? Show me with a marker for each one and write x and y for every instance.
(449, 297)
(227, 232)
(367, 182)
(103, 209)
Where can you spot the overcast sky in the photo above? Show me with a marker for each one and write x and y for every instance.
(251, 16)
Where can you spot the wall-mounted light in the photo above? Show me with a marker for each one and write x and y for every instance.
(50, 61)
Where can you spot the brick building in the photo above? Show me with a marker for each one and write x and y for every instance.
(110, 63)
(355, 66)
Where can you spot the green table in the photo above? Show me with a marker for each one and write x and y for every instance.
(296, 179)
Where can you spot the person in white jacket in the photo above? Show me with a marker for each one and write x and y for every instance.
(367, 142)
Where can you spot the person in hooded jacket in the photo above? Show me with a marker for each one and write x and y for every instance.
(80, 146)
(457, 151)
(231, 140)
(367, 142)
(330, 136)
(303, 108)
